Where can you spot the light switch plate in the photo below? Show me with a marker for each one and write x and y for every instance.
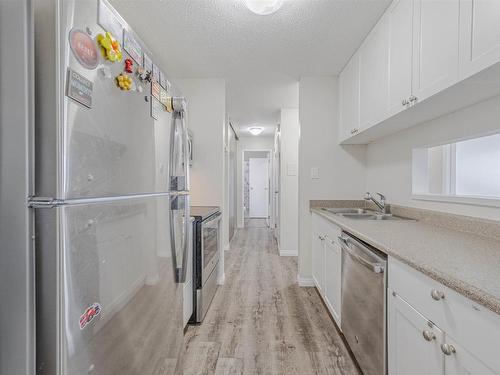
(314, 173)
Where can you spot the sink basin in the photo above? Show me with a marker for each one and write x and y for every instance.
(373, 216)
(343, 211)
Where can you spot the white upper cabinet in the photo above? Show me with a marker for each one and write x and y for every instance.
(435, 46)
(400, 23)
(373, 75)
(479, 35)
(349, 98)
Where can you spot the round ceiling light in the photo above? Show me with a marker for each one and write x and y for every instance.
(263, 7)
(255, 130)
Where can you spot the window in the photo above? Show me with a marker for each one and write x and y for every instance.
(465, 169)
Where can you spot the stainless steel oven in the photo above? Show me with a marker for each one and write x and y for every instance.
(206, 230)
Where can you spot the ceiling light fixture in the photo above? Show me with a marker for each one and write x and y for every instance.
(263, 7)
(255, 130)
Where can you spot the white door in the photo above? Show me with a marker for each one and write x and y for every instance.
(435, 46)
(333, 278)
(259, 187)
(400, 19)
(414, 343)
(373, 76)
(479, 35)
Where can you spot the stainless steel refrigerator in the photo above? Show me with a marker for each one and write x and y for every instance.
(111, 201)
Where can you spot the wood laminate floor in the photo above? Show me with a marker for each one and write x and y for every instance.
(262, 322)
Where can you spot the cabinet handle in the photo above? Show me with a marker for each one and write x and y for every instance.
(405, 102)
(413, 98)
(448, 349)
(437, 295)
(354, 131)
(321, 238)
(428, 335)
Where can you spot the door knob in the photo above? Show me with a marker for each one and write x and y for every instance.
(428, 335)
(448, 349)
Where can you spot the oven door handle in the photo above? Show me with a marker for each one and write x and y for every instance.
(374, 267)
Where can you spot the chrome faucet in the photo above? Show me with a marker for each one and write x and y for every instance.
(380, 204)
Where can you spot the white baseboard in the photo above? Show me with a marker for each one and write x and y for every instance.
(221, 279)
(288, 253)
(226, 247)
(305, 281)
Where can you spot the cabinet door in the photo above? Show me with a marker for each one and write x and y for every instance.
(349, 98)
(333, 278)
(317, 261)
(400, 19)
(409, 352)
(479, 35)
(435, 46)
(462, 362)
(374, 76)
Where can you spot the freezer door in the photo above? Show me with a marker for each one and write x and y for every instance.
(109, 300)
(113, 148)
(180, 222)
(179, 153)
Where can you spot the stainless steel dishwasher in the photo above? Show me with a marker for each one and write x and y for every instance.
(364, 303)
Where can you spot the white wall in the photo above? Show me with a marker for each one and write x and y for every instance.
(206, 118)
(389, 159)
(341, 168)
(289, 194)
(247, 143)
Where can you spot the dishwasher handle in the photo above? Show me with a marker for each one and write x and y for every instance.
(375, 266)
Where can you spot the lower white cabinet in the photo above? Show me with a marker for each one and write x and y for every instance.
(434, 330)
(327, 263)
(414, 342)
(318, 264)
(333, 278)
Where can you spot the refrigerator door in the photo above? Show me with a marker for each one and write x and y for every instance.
(113, 307)
(179, 153)
(110, 149)
(180, 222)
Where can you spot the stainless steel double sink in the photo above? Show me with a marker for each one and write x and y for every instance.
(363, 214)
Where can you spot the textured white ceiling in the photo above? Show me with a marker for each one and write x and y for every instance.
(260, 56)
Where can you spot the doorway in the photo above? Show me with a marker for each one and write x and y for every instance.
(256, 182)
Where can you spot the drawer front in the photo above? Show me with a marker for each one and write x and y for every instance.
(324, 227)
(463, 320)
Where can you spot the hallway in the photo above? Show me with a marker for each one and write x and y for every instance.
(261, 322)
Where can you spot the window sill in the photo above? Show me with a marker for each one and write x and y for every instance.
(458, 199)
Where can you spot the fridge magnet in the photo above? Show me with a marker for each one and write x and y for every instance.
(132, 46)
(128, 66)
(156, 107)
(156, 73)
(110, 47)
(79, 88)
(90, 314)
(163, 96)
(107, 19)
(143, 74)
(163, 80)
(155, 90)
(147, 63)
(124, 82)
(83, 48)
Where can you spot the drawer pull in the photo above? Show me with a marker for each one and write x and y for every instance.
(448, 349)
(428, 335)
(437, 295)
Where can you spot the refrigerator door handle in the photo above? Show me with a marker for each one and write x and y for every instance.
(180, 270)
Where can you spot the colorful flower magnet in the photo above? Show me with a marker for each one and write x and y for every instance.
(128, 65)
(124, 82)
(110, 47)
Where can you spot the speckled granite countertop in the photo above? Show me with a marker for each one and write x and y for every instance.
(465, 262)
